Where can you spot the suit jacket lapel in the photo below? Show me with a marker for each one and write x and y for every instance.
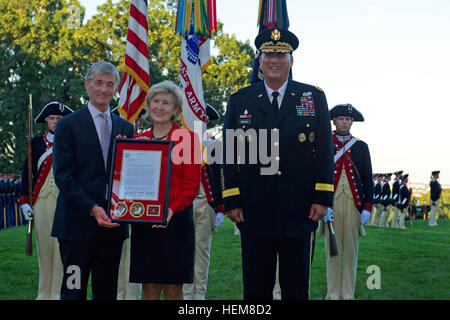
(115, 130)
(89, 128)
(262, 99)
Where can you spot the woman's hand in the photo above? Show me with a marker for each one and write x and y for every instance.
(120, 137)
(169, 216)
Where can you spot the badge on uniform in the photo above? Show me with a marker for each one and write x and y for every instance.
(245, 118)
(306, 107)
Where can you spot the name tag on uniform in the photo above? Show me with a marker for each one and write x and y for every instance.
(245, 121)
(245, 118)
(306, 107)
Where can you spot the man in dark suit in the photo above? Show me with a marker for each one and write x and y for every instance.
(277, 203)
(89, 241)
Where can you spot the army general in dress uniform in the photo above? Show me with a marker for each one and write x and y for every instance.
(277, 211)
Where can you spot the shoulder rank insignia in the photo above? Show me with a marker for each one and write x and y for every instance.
(235, 91)
(318, 89)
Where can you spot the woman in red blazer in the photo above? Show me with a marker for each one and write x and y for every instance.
(162, 258)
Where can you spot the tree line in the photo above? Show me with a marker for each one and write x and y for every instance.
(46, 48)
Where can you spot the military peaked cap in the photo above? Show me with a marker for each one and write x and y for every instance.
(276, 41)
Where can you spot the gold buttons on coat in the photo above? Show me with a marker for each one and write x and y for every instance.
(302, 137)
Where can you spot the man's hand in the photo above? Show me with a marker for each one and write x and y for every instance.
(236, 215)
(102, 219)
(317, 212)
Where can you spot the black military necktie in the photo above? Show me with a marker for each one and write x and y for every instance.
(275, 95)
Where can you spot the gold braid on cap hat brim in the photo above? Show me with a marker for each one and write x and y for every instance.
(270, 46)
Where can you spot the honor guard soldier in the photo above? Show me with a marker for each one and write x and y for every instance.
(372, 213)
(385, 201)
(435, 197)
(208, 217)
(352, 203)
(9, 189)
(377, 200)
(277, 202)
(42, 207)
(3, 223)
(17, 188)
(394, 198)
(403, 200)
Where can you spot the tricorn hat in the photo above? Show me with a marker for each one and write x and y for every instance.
(404, 176)
(433, 173)
(398, 172)
(346, 110)
(212, 113)
(53, 108)
(276, 41)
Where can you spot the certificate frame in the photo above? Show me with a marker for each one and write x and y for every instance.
(128, 201)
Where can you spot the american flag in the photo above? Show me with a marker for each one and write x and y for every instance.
(136, 79)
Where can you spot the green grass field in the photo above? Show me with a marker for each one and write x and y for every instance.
(414, 264)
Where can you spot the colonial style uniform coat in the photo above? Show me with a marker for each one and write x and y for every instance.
(385, 201)
(403, 204)
(394, 198)
(435, 199)
(45, 194)
(353, 193)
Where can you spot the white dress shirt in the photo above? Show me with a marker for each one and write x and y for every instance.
(95, 113)
(281, 92)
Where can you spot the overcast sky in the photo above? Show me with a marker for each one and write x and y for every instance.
(390, 59)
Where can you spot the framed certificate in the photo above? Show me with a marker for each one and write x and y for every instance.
(140, 181)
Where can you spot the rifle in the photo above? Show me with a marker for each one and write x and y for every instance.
(29, 245)
(332, 238)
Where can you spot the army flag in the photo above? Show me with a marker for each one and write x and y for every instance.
(136, 79)
(271, 14)
(196, 20)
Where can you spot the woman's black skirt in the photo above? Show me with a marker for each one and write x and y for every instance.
(164, 255)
